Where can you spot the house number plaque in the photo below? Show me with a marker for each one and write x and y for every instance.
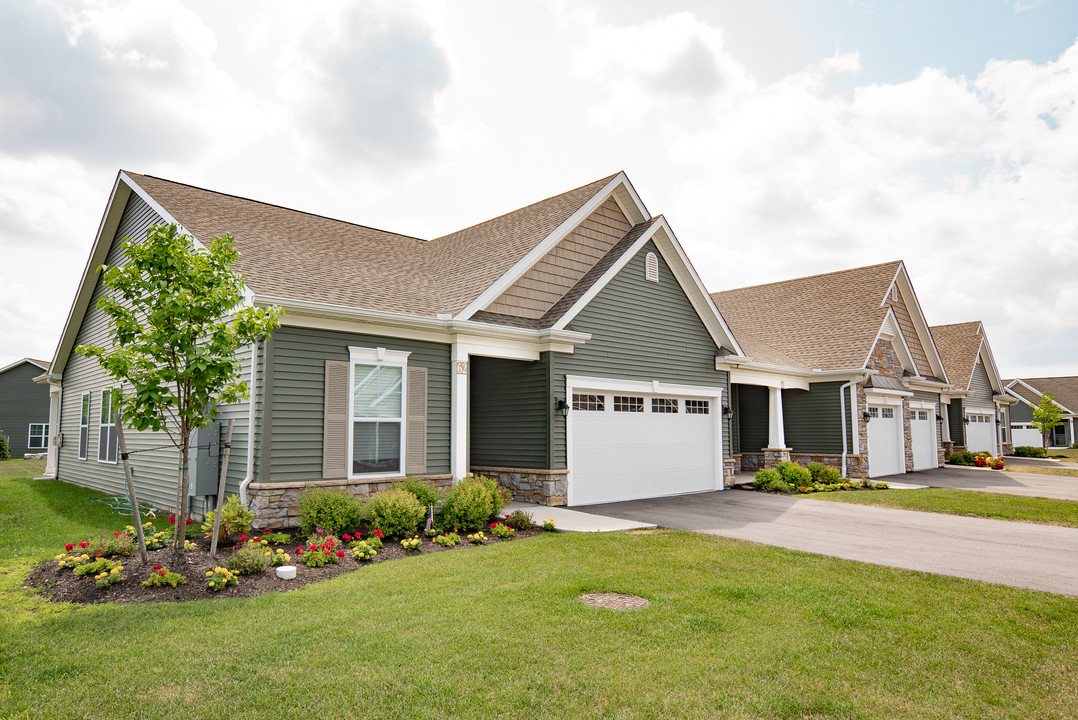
(462, 367)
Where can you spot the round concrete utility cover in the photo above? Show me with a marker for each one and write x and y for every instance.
(614, 601)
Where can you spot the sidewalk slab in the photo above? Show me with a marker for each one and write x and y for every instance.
(574, 520)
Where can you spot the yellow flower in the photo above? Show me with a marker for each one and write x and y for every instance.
(114, 571)
(59, 557)
(265, 542)
(208, 574)
(211, 583)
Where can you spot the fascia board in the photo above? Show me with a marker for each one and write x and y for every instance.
(548, 243)
(1018, 397)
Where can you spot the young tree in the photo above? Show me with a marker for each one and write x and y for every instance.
(1046, 416)
(176, 319)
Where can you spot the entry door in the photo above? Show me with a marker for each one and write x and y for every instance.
(922, 427)
(885, 446)
(628, 446)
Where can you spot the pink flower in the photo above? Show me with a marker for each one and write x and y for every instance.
(378, 533)
(494, 525)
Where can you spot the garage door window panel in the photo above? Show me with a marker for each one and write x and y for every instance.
(664, 406)
(697, 407)
(589, 402)
(628, 403)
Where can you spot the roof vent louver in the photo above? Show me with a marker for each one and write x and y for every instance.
(651, 268)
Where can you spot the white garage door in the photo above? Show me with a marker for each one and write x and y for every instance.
(1026, 434)
(922, 427)
(627, 446)
(885, 446)
(980, 433)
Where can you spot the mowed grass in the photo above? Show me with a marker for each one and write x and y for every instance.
(734, 630)
(1042, 470)
(1065, 454)
(972, 503)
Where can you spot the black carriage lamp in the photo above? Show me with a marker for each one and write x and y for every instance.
(727, 411)
(965, 420)
(562, 406)
(865, 416)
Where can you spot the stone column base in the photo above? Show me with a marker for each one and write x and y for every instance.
(728, 469)
(774, 456)
(546, 487)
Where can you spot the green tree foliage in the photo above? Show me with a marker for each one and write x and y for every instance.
(1046, 416)
(4, 453)
(176, 319)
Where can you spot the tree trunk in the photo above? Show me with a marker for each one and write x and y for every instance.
(181, 499)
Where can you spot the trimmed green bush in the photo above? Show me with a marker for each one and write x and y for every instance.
(962, 457)
(5, 453)
(815, 469)
(335, 511)
(770, 481)
(829, 476)
(1030, 451)
(469, 504)
(396, 512)
(236, 519)
(249, 558)
(520, 520)
(794, 473)
(425, 492)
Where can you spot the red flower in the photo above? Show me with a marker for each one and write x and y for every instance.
(494, 525)
(357, 534)
(189, 521)
(172, 519)
(241, 538)
(340, 553)
(69, 547)
(378, 533)
(327, 552)
(346, 538)
(506, 517)
(299, 548)
(98, 555)
(313, 547)
(157, 567)
(255, 539)
(162, 573)
(116, 534)
(84, 544)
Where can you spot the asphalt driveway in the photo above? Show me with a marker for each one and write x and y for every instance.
(1008, 482)
(1038, 557)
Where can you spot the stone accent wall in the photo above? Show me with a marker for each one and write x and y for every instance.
(774, 456)
(862, 429)
(546, 487)
(856, 465)
(275, 503)
(751, 461)
(736, 460)
(907, 430)
(728, 473)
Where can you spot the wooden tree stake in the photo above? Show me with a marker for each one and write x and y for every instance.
(221, 487)
(130, 486)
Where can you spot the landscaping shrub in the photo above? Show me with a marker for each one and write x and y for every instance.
(815, 469)
(770, 481)
(161, 576)
(520, 520)
(5, 453)
(219, 578)
(396, 512)
(95, 567)
(1030, 451)
(962, 457)
(276, 538)
(449, 539)
(236, 519)
(469, 504)
(425, 492)
(829, 476)
(249, 558)
(332, 510)
(794, 473)
(501, 530)
(112, 544)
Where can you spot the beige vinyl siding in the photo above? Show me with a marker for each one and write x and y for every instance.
(155, 470)
(640, 331)
(550, 278)
(293, 420)
(909, 332)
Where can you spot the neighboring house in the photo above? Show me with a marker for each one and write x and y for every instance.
(24, 407)
(1027, 392)
(567, 348)
(838, 369)
(978, 406)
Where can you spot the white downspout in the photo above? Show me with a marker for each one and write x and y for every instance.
(842, 405)
(250, 426)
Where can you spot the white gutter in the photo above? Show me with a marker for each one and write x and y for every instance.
(250, 427)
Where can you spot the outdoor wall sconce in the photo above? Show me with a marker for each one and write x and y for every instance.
(865, 416)
(563, 407)
(727, 411)
(965, 421)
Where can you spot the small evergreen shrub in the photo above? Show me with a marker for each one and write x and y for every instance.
(520, 520)
(249, 558)
(829, 476)
(396, 512)
(5, 453)
(470, 503)
(236, 519)
(425, 492)
(815, 469)
(962, 457)
(794, 473)
(770, 481)
(1030, 451)
(330, 509)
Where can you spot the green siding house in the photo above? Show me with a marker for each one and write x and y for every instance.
(24, 407)
(567, 349)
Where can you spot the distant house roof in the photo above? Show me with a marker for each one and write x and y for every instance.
(825, 322)
(41, 364)
(1063, 388)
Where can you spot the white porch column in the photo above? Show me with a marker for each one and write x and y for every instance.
(458, 431)
(54, 426)
(776, 436)
(945, 413)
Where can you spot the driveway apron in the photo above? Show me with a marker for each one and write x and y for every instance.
(1038, 557)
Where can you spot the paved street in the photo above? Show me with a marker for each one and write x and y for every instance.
(1041, 557)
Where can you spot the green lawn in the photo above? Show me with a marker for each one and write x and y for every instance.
(967, 502)
(1066, 455)
(734, 630)
(1040, 470)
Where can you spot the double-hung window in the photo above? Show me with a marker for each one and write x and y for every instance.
(39, 436)
(106, 436)
(376, 407)
(84, 427)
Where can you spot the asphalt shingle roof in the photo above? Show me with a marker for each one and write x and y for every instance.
(1063, 388)
(959, 347)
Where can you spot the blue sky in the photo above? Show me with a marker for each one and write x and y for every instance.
(779, 138)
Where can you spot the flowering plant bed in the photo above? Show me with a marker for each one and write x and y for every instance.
(59, 583)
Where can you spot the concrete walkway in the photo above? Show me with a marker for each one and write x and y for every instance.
(1038, 557)
(574, 520)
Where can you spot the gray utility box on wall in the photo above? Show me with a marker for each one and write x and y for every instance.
(206, 463)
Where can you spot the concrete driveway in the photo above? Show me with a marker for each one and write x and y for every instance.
(1039, 557)
(1009, 482)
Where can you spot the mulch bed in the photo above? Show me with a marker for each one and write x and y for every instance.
(62, 585)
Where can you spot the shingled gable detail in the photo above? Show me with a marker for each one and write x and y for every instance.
(559, 270)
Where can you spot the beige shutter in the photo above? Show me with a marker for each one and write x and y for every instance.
(335, 421)
(416, 461)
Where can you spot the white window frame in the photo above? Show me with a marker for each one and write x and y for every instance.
(44, 436)
(86, 403)
(378, 357)
(102, 427)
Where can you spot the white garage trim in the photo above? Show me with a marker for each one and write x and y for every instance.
(576, 383)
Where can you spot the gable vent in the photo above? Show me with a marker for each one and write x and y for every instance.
(651, 268)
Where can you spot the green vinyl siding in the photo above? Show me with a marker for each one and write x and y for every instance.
(752, 417)
(980, 388)
(956, 418)
(22, 402)
(1021, 413)
(295, 386)
(640, 331)
(812, 419)
(508, 410)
